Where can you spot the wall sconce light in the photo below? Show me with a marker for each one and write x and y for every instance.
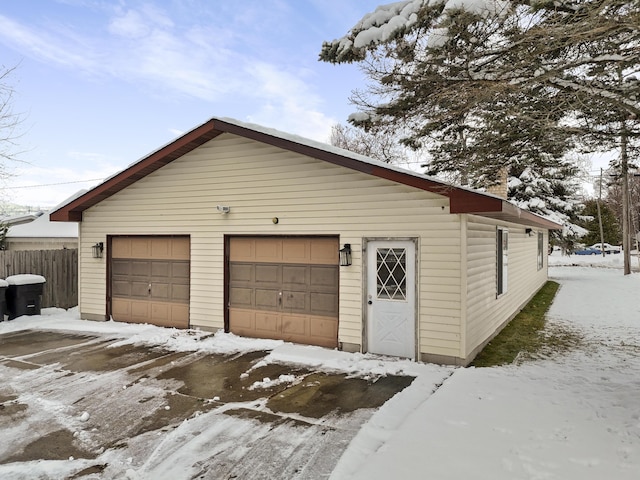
(97, 250)
(223, 209)
(528, 231)
(345, 255)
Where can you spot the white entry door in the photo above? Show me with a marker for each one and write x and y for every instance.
(391, 303)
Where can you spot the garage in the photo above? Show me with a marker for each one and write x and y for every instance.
(150, 280)
(284, 288)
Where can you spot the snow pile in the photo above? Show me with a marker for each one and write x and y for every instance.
(268, 383)
(25, 279)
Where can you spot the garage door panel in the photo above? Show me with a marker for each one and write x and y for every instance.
(288, 283)
(268, 250)
(121, 267)
(296, 250)
(150, 280)
(293, 275)
(180, 269)
(160, 291)
(241, 297)
(266, 299)
(160, 269)
(180, 293)
(139, 289)
(161, 312)
(324, 304)
(121, 247)
(295, 301)
(180, 315)
(323, 327)
(140, 248)
(140, 268)
(121, 288)
(242, 250)
(242, 321)
(140, 311)
(241, 272)
(323, 277)
(268, 274)
(295, 325)
(121, 308)
(268, 325)
(181, 249)
(161, 247)
(324, 251)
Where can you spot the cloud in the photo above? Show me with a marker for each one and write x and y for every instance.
(288, 104)
(43, 45)
(211, 55)
(130, 25)
(48, 186)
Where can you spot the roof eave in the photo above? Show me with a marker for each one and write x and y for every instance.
(461, 200)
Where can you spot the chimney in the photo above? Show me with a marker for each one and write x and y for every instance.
(500, 188)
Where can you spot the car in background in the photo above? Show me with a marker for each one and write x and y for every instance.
(608, 248)
(587, 251)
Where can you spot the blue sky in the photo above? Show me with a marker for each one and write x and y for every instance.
(102, 83)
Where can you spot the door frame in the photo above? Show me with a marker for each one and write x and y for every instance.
(365, 290)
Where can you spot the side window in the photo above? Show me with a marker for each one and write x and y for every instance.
(502, 256)
(540, 250)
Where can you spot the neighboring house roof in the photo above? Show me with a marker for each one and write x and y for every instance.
(20, 219)
(42, 227)
(462, 200)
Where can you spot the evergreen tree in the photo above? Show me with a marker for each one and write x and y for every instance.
(610, 225)
(491, 84)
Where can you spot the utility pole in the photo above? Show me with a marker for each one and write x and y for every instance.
(600, 216)
(624, 166)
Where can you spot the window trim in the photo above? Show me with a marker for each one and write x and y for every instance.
(502, 260)
(540, 250)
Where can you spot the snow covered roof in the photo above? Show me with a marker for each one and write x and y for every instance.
(20, 219)
(462, 200)
(42, 227)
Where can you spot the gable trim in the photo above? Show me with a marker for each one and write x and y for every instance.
(462, 200)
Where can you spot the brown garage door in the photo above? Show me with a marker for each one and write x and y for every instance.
(284, 288)
(150, 280)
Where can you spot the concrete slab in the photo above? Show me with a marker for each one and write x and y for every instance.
(77, 395)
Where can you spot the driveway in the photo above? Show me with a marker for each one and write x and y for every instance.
(86, 405)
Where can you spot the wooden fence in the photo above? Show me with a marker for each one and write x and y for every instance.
(58, 267)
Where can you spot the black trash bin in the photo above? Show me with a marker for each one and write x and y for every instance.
(24, 295)
(3, 299)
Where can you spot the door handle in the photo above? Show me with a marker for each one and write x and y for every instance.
(279, 298)
(149, 288)
(370, 302)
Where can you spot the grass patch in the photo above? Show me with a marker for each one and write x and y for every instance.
(526, 337)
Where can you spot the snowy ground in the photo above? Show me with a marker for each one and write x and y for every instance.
(570, 416)
(573, 416)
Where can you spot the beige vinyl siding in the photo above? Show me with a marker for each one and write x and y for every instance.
(309, 197)
(485, 312)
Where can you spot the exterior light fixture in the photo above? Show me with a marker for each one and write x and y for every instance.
(528, 231)
(345, 255)
(97, 250)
